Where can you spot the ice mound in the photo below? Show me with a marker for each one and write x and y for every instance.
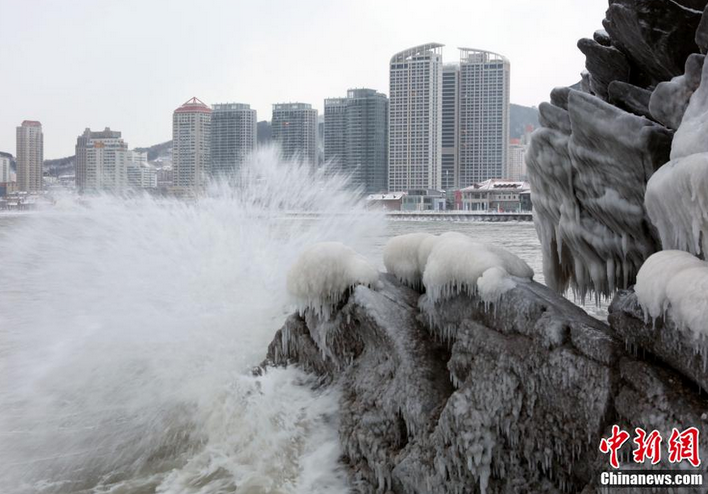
(324, 272)
(404, 256)
(676, 282)
(677, 194)
(452, 263)
(677, 203)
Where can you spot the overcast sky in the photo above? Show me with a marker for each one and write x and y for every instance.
(128, 64)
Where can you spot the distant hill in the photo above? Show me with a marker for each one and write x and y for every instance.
(519, 118)
(60, 166)
(157, 150)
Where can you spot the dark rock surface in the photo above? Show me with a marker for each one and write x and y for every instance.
(702, 33)
(630, 98)
(656, 36)
(514, 397)
(605, 64)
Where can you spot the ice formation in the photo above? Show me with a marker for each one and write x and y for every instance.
(676, 282)
(403, 256)
(677, 194)
(452, 263)
(588, 168)
(324, 272)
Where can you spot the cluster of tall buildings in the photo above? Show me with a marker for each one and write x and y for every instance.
(443, 127)
(449, 124)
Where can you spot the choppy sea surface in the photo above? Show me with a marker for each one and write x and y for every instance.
(129, 328)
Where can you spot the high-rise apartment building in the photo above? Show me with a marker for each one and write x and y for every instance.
(516, 169)
(5, 171)
(191, 143)
(450, 125)
(233, 137)
(355, 138)
(30, 156)
(101, 161)
(415, 118)
(295, 130)
(141, 175)
(483, 137)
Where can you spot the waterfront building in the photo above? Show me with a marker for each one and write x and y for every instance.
(191, 143)
(415, 115)
(294, 128)
(355, 138)
(233, 137)
(101, 161)
(5, 170)
(483, 137)
(493, 195)
(30, 156)
(424, 200)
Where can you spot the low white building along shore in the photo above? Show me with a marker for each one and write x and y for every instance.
(495, 195)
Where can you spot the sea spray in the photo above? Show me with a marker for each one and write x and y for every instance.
(128, 328)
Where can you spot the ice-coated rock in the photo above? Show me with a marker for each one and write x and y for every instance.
(669, 100)
(656, 36)
(454, 396)
(680, 348)
(550, 172)
(630, 98)
(605, 64)
(554, 117)
(588, 191)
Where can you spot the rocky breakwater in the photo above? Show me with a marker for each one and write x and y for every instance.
(459, 373)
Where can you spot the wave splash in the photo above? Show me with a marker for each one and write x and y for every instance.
(129, 328)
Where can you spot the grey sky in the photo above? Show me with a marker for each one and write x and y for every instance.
(128, 64)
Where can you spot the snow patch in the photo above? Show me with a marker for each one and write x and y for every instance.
(675, 282)
(324, 272)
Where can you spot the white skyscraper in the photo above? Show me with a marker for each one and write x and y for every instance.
(5, 172)
(191, 144)
(483, 139)
(30, 156)
(101, 161)
(295, 130)
(415, 119)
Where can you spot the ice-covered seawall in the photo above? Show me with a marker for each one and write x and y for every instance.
(619, 169)
(459, 373)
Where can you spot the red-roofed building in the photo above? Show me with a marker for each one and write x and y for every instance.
(191, 144)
